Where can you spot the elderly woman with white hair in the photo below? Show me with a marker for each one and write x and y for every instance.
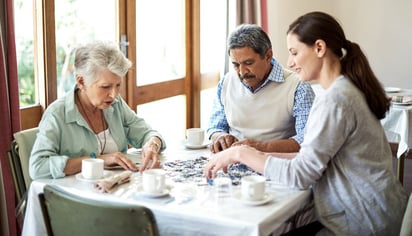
(92, 120)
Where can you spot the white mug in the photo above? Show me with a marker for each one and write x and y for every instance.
(195, 136)
(92, 168)
(154, 181)
(253, 187)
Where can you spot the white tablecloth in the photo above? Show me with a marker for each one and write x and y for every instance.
(200, 216)
(399, 119)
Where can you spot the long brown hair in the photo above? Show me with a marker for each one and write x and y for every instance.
(355, 66)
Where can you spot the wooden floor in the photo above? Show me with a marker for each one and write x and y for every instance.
(407, 177)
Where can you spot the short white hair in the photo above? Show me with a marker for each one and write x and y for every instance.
(92, 59)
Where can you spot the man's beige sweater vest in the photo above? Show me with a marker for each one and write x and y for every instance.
(264, 115)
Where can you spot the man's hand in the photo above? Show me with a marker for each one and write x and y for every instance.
(248, 142)
(221, 141)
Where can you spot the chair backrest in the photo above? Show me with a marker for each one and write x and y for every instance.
(17, 172)
(68, 214)
(19, 184)
(406, 228)
(23, 145)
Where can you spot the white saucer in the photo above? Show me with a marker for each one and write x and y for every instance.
(80, 177)
(141, 192)
(267, 198)
(392, 89)
(191, 146)
(402, 103)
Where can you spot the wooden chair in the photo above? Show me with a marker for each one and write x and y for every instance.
(17, 173)
(19, 161)
(67, 214)
(21, 149)
(399, 152)
(19, 186)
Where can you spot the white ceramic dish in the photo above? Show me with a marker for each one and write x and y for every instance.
(402, 103)
(141, 192)
(80, 177)
(190, 146)
(392, 89)
(267, 198)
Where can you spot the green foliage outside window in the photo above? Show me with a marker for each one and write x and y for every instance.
(26, 73)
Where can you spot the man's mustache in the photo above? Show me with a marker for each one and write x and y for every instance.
(247, 76)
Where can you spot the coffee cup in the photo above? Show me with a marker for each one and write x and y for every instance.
(154, 181)
(92, 168)
(195, 136)
(253, 187)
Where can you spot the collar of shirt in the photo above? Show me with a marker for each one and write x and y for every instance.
(72, 114)
(275, 75)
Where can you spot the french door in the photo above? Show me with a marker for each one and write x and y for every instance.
(177, 48)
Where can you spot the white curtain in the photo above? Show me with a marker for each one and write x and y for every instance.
(248, 11)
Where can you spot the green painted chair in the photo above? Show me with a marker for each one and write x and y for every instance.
(21, 149)
(68, 214)
(19, 160)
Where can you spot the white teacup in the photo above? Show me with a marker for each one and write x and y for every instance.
(92, 168)
(195, 136)
(154, 181)
(253, 187)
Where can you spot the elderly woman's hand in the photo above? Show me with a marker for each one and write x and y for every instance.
(150, 154)
(118, 158)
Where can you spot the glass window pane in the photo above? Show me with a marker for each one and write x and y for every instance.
(24, 34)
(79, 22)
(206, 97)
(213, 17)
(160, 44)
(166, 116)
(212, 35)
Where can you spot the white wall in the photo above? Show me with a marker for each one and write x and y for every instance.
(382, 28)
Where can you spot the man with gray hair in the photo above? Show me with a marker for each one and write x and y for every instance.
(260, 103)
